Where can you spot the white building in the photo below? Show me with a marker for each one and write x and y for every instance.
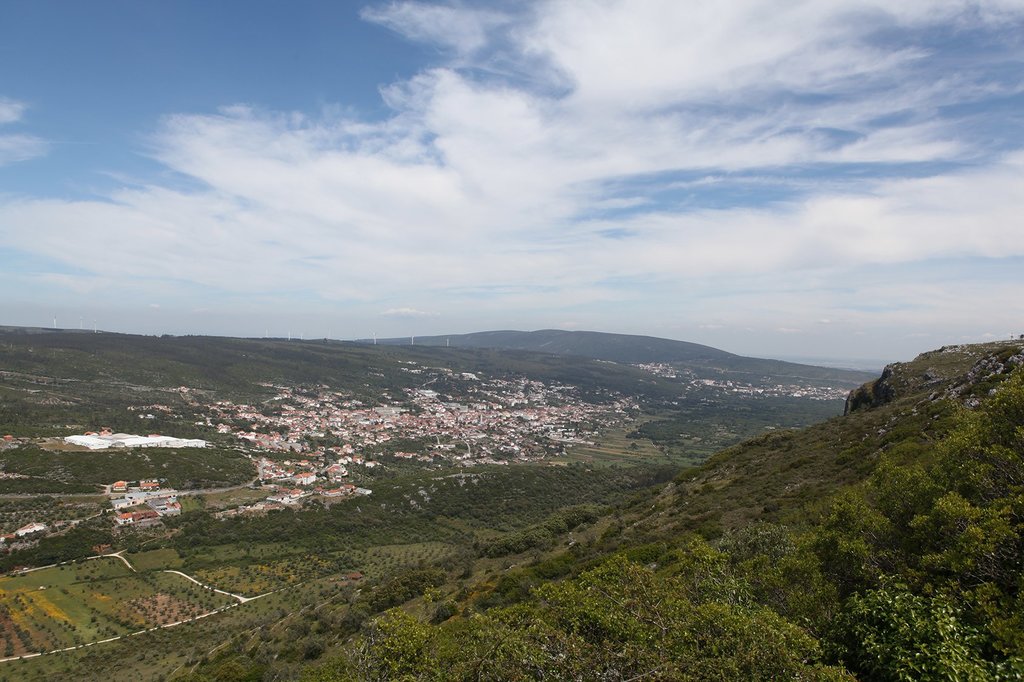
(127, 440)
(29, 529)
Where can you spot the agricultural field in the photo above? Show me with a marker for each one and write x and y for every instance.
(616, 446)
(383, 559)
(253, 578)
(75, 604)
(155, 559)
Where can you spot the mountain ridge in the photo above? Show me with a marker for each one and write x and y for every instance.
(627, 349)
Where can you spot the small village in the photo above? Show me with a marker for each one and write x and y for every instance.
(690, 383)
(490, 421)
(304, 442)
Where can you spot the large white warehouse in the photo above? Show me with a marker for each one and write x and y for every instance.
(127, 440)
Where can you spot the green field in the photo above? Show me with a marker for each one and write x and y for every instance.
(75, 604)
(155, 559)
(613, 446)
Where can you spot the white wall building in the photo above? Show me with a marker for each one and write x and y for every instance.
(127, 440)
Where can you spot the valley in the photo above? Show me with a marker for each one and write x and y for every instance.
(436, 481)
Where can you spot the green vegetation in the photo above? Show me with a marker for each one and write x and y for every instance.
(910, 574)
(883, 545)
(697, 428)
(71, 605)
(182, 468)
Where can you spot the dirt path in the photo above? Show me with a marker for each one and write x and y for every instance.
(241, 600)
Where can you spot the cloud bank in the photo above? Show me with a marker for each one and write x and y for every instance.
(712, 161)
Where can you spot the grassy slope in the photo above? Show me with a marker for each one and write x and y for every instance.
(784, 475)
(629, 349)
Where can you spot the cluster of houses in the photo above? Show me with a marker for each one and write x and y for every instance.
(306, 473)
(691, 382)
(292, 496)
(144, 503)
(149, 486)
(147, 512)
(303, 472)
(496, 419)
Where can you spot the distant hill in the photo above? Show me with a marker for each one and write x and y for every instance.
(633, 349)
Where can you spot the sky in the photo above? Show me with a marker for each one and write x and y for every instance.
(826, 178)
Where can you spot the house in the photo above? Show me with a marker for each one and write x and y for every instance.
(149, 485)
(288, 496)
(165, 506)
(336, 472)
(125, 519)
(145, 517)
(333, 492)
(119, 487)
(304, 478)
(29, 529)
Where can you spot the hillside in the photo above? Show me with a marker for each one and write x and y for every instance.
(632, 349)
(798, 554)
(882, 545)
(885, 543)
(54, 382)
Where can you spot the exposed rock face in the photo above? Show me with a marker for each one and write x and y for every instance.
(878, 392)
(907, 378)
(984, 370)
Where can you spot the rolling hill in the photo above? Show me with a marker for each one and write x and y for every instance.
(883, 544)
(632, 349)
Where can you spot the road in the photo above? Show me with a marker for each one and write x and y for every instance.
(196, 491)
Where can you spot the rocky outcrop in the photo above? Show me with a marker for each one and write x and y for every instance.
(872, 394)
(985, 371)
(940, 375)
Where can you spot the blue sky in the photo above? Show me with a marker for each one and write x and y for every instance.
(827, 178)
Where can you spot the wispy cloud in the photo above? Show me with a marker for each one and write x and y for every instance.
(17, 147)
(406, 312)
(483, 185)
(11, 111)
(463, 29)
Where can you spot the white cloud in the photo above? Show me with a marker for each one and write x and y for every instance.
(461, 28)
(11, 111)
(478, 192)
(17, 147)
(406, 312)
